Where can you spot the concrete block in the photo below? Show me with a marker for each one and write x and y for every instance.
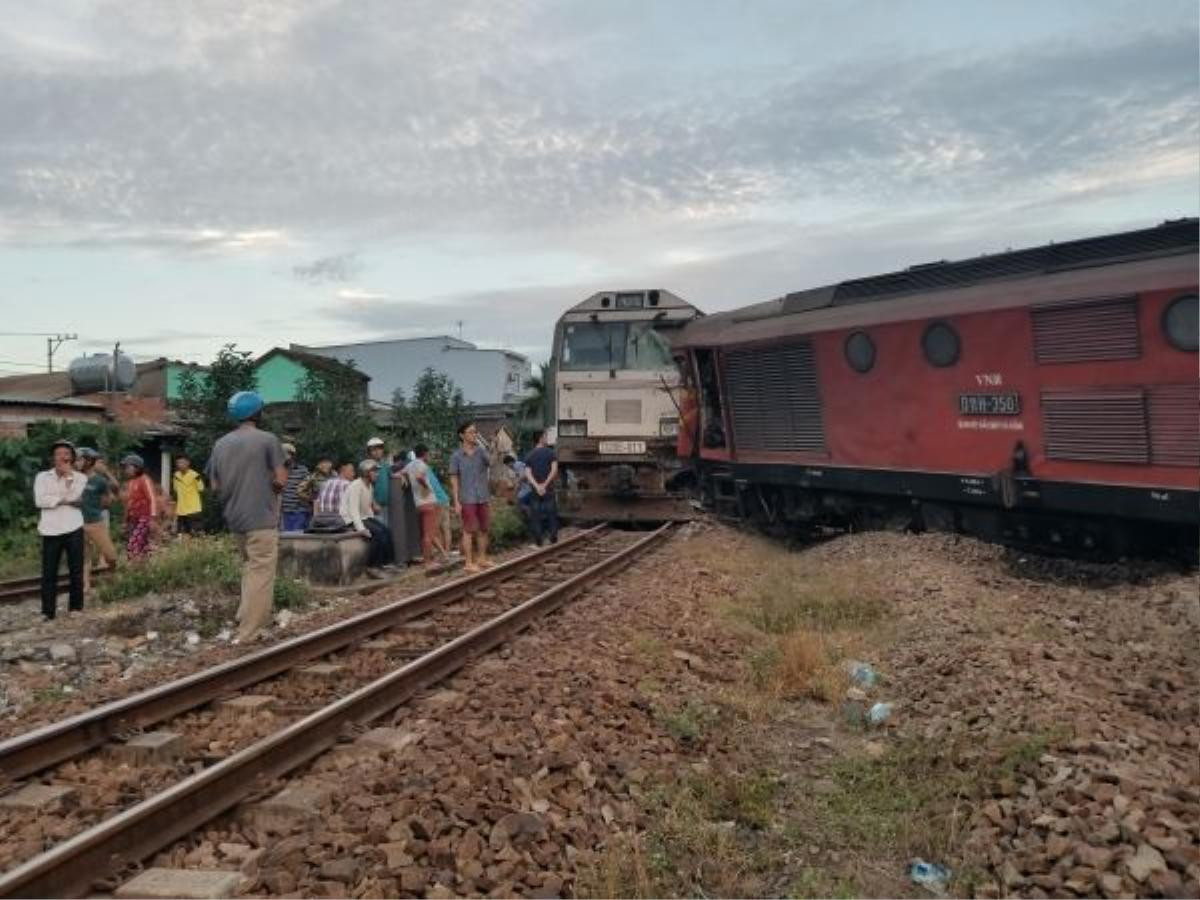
(40, 798)
(323, 672)
(153, 747)
(322, 558)
(186, 884)
(391, 740)
(383, 643)
(246, 705)
(291, 809)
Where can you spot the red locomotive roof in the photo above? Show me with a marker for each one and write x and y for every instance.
(1157, 258)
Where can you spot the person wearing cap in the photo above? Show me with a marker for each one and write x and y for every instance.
(97, 495)
(141, 507)
(377, 451)
(358, 513)
(295, 508)
(246, 470)
(58, 495)
(187, 485)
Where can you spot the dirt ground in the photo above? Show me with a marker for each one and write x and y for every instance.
(698, 726)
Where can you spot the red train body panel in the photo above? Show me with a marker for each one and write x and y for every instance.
(1064, 379)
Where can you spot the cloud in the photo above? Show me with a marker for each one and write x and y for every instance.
(341, 267)
(358, 295)
(273, 119)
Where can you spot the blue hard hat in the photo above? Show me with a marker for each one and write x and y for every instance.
(132, 459)
(245, 404)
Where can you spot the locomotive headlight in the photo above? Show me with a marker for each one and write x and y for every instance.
(572, 427)
(668, 427)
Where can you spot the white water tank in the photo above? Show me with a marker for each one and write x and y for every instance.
(90, 374)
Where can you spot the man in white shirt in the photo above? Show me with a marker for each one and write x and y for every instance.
(58, 495)
(358, 512)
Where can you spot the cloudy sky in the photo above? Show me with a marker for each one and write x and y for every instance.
(177, 175)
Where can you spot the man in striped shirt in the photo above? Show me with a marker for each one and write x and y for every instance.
(329, 506)
(295, 511)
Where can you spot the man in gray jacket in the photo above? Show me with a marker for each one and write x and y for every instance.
(246, 469)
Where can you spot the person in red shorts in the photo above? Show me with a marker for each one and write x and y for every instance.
(469, 467)
(426, 500)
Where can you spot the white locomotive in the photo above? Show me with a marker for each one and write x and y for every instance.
(614, 396)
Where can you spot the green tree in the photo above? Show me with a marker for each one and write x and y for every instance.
(204, 399)
(532, 414)
(431, 416)
(337, 422)
(22, 458)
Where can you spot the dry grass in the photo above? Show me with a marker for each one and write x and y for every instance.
(800, 619)
(705, 841)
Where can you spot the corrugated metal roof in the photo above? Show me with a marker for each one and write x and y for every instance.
(41, 401)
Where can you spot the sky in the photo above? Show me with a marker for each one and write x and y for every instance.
(178, 175)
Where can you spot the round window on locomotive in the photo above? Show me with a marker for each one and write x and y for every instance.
(860, 352)
(941, 345)
(1181, 322)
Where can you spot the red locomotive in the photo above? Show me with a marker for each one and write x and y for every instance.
(1043, 395)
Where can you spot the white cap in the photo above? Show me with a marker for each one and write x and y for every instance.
(375, 442)
(367, 465)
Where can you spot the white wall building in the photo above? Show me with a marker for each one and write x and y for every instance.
(484, 376)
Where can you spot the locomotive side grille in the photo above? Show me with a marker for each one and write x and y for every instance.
(1175, 424)
(1093, 329)
(775, 403)
(623, 412)
(1096, 425)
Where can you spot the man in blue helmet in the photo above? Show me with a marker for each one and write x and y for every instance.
(246, 471)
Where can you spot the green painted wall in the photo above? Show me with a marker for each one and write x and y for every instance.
(174, 372)
(279, 379)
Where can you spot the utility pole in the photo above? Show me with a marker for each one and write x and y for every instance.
(53, 342)
(460, 329)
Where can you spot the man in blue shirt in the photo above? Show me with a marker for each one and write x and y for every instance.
(541, 471)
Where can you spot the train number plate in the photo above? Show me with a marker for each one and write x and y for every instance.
(989, 404)
(622, 447)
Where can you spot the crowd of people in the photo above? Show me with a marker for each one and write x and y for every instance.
(264, 490)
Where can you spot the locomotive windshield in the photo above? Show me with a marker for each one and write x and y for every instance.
(615, 345)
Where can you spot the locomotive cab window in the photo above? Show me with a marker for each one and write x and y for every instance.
(941, 345)
(599, 346)
(860, 352)
(1181, 322)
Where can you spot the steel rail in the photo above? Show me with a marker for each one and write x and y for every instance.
(36, 750)
(69, 869)
(13, 590)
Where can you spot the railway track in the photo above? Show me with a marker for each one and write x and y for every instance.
(374, 662)
(14, 590)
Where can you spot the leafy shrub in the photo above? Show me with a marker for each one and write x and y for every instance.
(507, 527)
(205, 561)
(291, 593)
(20, 549)
(199, 562)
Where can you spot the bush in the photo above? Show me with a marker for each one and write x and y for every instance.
(507, 528)
(291, 593)
(20, 549)
(203, 561)
(198, 562)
